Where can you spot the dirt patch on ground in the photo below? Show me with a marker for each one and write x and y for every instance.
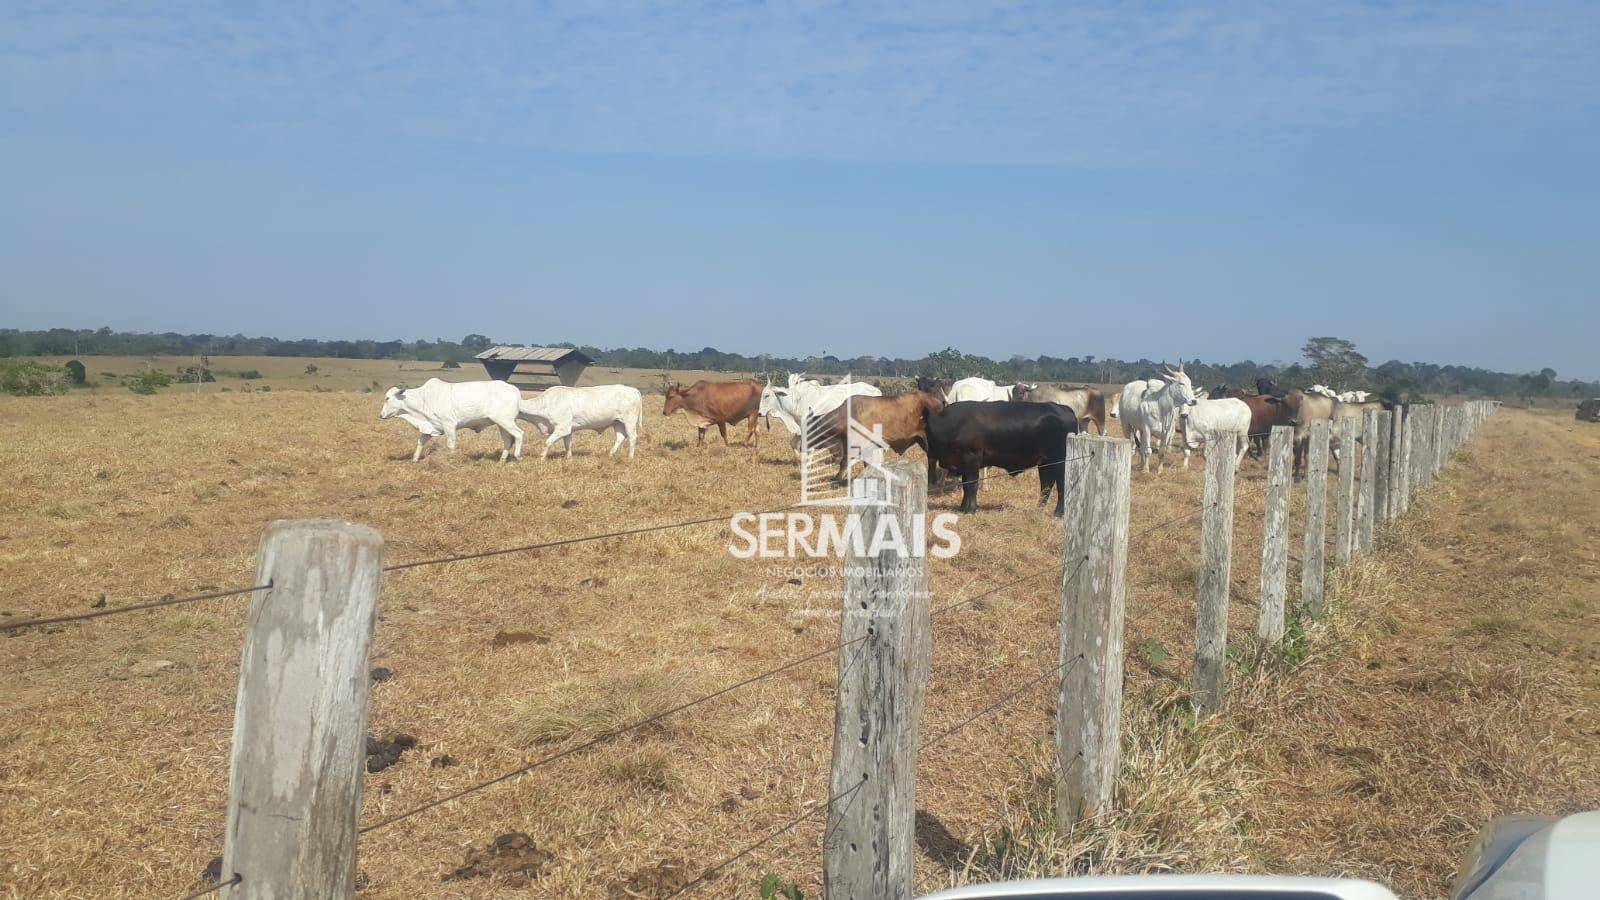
(513, 859)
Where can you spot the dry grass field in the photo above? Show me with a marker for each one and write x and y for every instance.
(1455, 679)
(277, 373)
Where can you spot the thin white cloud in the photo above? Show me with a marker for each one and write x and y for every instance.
(998, 82)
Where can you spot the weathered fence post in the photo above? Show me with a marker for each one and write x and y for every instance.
(882, 678)
(1275, 544)
(1093, 591)
(300, 721)
(1440, 450)
(1391, 468)
(1368, 478)
(1403, 462)
(1313, 565)
(1344, 504)
(1216, 552)
(1380, 470)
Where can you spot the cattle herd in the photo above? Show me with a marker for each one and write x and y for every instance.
(963, 426)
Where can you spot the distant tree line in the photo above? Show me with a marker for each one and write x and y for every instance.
(1329, 360)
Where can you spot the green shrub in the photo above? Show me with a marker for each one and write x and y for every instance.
(31, 379)
(311, 368)
(148, 381)
(450, 364)
(76, 373)
(248, 374)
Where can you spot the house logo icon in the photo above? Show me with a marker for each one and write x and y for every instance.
(831, 444)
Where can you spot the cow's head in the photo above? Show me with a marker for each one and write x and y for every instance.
(394, 403)
(1182, 388)
(772, 400)
(795, 378)
(1022, 390)
(676, 395)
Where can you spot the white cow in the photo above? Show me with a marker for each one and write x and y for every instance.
(1207, 417)
(1324, 390)
(561, 410)
(1354, 397)
(980, 389)
(1150, 408)
(804, 397)
(440, 409)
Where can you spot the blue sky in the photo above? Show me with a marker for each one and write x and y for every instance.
(1213, 180)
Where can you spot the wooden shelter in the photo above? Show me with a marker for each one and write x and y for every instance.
(534, 368)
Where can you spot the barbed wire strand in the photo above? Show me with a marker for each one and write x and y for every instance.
(1062, 668)
(116, 610)
(1059, 667)
(787, 827)
(205, 891)
(608, 735)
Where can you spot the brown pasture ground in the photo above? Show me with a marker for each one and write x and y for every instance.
(1454, 680)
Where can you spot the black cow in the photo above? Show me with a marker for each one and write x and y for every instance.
(965, 437)
(1266, 387)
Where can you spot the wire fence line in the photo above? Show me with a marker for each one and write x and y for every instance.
(170, 600)
(213, 888)
(776, 833)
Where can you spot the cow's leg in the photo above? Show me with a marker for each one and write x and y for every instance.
(510, 438)
(633, 441)
(701, 441)
(1244, 445)
(450, 437)
(422, 446)
(618, 442)
(722, 429)
(557, 432)
(971, 471)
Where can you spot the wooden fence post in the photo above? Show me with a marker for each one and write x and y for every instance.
(1403, 462)
(1216, 552)
(1391, 468)
(1380, 469)
(1313, 565)
(1440, 450)
(1368, 480)
(300, 721)
(1093, 591)
(882, 679)
(1275, 544)
(1344, 504)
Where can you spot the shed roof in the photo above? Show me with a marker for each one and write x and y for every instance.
(532, 354)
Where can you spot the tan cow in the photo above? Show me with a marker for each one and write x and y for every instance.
(1088, 404)
(719, 403)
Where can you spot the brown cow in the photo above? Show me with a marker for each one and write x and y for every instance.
(1265, 412)
(900, 416)
(1088, 404)
(719, 403)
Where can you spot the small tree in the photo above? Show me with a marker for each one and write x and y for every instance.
(76, 373)
(311, 368)
(1335, 361)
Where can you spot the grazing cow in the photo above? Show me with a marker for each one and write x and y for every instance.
(1228, 416)
(1088, 404)
(562, 410)
(719, 403)
(440, 409)
(981, 389)
(900, 419)
(965, 437)
(1265, 412)
(791, 405)
(1150, 408)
